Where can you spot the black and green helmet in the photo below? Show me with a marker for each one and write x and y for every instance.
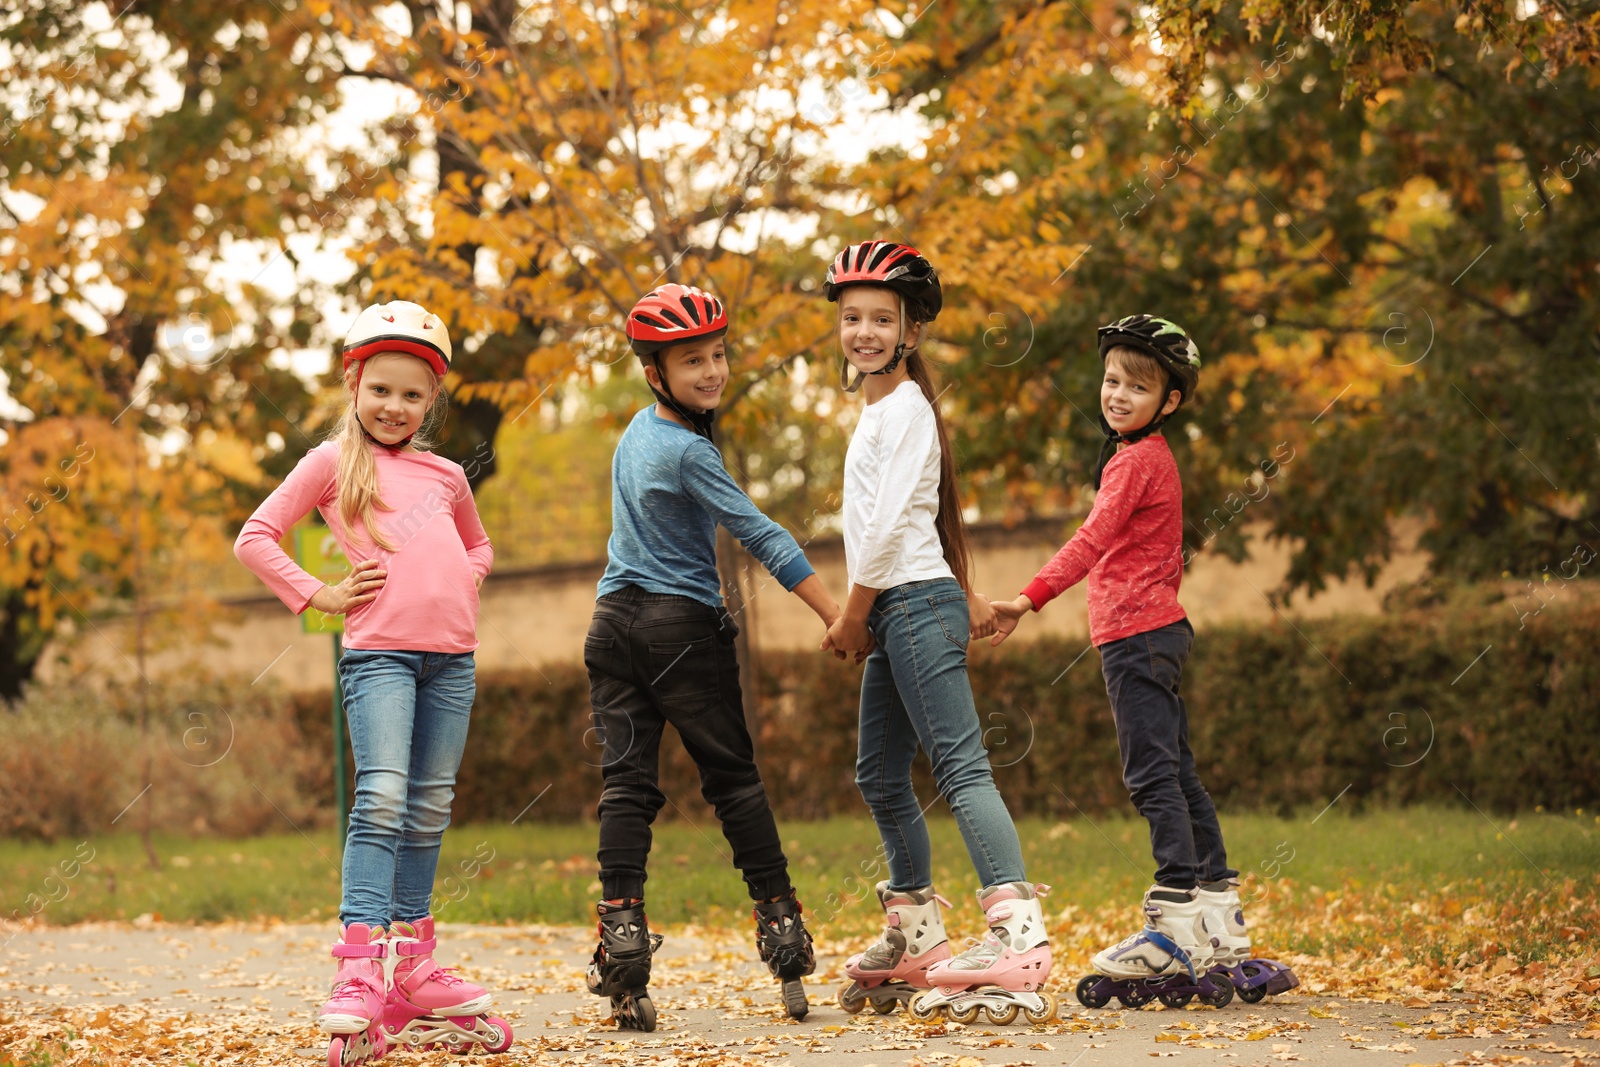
(1161, 338)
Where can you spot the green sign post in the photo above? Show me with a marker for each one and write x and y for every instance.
(316, 550)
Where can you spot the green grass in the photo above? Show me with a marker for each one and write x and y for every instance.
(544, 873)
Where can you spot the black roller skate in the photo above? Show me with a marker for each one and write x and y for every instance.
(785, 948)
(1253, 978)
(621, 966)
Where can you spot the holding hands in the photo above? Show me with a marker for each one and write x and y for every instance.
(1007, 614)
(981, 614)
(849, 636)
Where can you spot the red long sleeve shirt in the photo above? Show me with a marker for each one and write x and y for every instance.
(1130, 547)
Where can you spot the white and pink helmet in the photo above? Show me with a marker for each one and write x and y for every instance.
(398, 326)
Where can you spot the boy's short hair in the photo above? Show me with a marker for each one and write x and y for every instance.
(1143, 367)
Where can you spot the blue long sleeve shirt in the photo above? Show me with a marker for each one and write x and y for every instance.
(669, 493)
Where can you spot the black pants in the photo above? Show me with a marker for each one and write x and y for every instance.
(1142, 673)
(655, 659)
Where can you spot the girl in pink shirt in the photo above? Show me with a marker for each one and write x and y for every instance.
(406, 520)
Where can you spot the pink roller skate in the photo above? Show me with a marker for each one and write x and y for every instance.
(894, 970)
(428, 1006)
(354, 1011)
(1003, 974)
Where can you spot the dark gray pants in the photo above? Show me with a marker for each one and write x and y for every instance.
(1142, 673)
(655, 659)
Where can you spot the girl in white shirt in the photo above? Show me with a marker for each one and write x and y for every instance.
(909, 613)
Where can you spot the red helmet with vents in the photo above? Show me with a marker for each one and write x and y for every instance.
(672, 314)
(894, 266)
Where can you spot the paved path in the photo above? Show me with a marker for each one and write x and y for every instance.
(247, 994)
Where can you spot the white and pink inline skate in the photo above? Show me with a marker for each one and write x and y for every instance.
(894, 970)
(428, 1007)
(1004, 974)
(354, 1011)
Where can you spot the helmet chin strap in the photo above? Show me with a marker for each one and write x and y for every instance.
(1113, 438)
(887, 368)
(701, 422)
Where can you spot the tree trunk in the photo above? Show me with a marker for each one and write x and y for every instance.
(17, 663)
(729, 568)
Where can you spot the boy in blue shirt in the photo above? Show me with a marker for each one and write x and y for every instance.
(660, 651)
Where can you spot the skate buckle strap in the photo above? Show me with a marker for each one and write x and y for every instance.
(343, 951)
(425, 973)
(411, 946)
(1171, 948)
(1040, 889)
(893, 919)
(941, 900)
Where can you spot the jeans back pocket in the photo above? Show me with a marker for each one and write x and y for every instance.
(954, 618)
(686, 675)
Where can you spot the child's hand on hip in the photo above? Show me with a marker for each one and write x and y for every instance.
(359, 587)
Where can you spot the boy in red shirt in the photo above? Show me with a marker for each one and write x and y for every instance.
(1130, 549)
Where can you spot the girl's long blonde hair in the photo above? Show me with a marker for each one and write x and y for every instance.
(356, 478)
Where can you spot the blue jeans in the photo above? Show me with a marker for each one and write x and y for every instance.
(915, 692)
(408, 716)
(1142, 674)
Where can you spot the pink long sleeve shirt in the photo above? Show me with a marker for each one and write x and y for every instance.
(429, 599)
(1130, 547)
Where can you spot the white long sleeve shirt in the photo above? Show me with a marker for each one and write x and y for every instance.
(891, 493)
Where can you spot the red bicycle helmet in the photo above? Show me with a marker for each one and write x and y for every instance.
(897, 267)
(893, 266)
(672, 314)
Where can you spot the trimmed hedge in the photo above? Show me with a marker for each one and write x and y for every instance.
(1282, 717)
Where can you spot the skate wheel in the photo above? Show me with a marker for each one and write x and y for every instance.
(503, 1028)
(336, 1052)
(852, 1004)
(1175, 1000)
(1251, 994)
(885, 1006)
(919, 1008)
(1044, 1013)
(965, 1013)
(794, 999)
(1094, 991)
(646, 1010)
(1135, 997)
(1221, 990)
(1003, 1016)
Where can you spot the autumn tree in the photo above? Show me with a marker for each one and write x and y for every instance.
(143, 143)
(1387, 284)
